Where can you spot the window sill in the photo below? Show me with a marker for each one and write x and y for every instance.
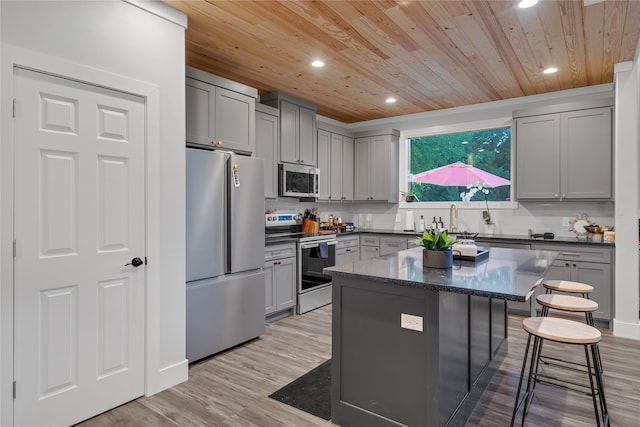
(461, 205)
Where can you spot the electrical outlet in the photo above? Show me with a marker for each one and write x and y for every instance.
(565, 221)
(409, 321)
(398, 219)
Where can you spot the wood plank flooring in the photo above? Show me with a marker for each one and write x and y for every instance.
(232, 388)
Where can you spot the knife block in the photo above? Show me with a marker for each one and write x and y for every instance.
(309, 226)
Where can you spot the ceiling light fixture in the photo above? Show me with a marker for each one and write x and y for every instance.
(317, 63)
(550, 70)
(527, 3)
(391, 100)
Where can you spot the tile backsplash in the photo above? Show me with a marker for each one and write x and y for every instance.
(537, 216)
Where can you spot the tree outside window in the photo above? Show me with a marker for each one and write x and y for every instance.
(489, 150)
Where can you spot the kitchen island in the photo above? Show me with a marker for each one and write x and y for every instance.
(416, 346)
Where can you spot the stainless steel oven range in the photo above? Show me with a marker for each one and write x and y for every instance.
(315, 252)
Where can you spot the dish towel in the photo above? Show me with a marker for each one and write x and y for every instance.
(324, 249)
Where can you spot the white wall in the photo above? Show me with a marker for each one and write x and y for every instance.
(626, 321)
(119, 42)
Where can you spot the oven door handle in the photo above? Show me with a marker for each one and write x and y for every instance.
(316, 244)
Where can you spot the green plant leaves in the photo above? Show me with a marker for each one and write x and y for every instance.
(435, 240)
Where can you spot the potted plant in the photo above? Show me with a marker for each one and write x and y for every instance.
(437, 249)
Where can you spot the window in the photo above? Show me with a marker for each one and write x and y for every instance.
(486, 150)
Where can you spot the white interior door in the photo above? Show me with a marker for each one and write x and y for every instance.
(79, 218)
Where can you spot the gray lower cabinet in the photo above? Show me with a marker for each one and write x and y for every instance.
(347, 249)
(376, 167)
(369, 246)
(391, 244)
(587, 265)
(219, 117)
(267, 147)
(280, 277)
(565, 156)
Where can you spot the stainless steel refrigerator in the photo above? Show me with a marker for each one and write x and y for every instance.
(224, 251)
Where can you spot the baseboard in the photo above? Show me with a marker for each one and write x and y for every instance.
(626, 329)
(168, 377)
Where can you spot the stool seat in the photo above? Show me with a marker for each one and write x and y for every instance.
(568, 286)
(561, 330)
(567, 302)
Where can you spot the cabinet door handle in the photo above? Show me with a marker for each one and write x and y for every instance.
(555, 196)
(566, 264)
(393, 245)
(571, 253)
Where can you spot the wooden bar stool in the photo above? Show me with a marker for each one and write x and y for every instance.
(568, 287)
(566, 332)
(570, 304)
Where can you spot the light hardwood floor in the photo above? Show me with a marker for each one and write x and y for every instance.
(232, 388)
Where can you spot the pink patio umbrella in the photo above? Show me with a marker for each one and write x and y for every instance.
(459, 174)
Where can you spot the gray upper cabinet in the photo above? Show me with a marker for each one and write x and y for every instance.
(565, 156)
(219, 113)
(297, 128)
(324, 164)
(267, 128)
(376, 167)
(335, 161)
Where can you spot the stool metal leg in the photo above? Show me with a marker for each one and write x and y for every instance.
(533, 371)
(593, 391)
(517, 403)
(598, 370)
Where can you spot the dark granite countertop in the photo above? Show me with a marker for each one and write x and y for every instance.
(510, 274)
(506, 238)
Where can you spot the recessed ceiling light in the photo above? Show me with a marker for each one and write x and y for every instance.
(550, 70)
(527, 3)
(317, 63)
(391, 100)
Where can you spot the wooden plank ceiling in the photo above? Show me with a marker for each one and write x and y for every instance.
(429, 55)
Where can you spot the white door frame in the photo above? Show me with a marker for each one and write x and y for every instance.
(37, 61)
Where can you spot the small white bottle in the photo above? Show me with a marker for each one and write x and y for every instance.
(421, 224)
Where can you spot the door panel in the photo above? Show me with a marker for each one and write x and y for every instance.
(79, 218)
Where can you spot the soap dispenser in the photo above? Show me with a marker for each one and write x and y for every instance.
(434, 224)
(421, 224)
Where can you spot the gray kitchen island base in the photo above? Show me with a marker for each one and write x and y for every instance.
(388, 372)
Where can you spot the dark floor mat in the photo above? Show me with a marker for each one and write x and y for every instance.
(309, 393)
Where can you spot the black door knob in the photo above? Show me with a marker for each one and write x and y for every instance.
(136, 262)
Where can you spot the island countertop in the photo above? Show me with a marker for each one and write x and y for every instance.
(509, 274)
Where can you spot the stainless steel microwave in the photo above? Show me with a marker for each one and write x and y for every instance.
(298, 180)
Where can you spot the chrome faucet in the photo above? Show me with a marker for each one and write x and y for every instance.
(453, 227)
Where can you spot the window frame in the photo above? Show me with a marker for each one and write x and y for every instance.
(404, 161)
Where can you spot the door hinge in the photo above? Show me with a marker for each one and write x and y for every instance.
(145, 260)
(14, 389)
(14, 108)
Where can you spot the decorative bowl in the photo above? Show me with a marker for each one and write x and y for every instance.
(598, 229)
